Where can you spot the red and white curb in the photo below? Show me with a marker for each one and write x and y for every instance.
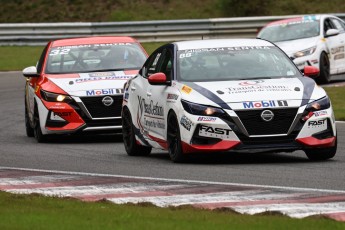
(242, 198)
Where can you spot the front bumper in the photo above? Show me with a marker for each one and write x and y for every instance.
(245, 131)
(83, 114)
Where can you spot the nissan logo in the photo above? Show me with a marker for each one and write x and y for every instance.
(267, 115)
(107, 101)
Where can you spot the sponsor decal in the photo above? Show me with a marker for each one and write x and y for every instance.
(62, 114)
(239, 48)
(102, 78)
(245, 83)
(172, 97)
(339, 49)
(154, 123)
(106, 74)
(320, 113)
(264, 104)
(317, 123)
(126, 96)
(151, 108)
(339, 56)
(186, 89)
(215, 132)
(207, 119)
(100, 92)
(186, 122)
(257, 88)
(153, 114)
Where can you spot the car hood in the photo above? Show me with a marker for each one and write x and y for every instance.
(293, 46)
(92, 84)
(289, 92)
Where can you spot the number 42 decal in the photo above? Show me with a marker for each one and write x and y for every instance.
(56, 52)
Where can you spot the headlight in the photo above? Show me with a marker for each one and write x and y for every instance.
(53, 97)
(306, 52)
(323, 103)
(202, 110)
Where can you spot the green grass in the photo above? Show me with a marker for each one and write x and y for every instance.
(338, 103)
(38, 212)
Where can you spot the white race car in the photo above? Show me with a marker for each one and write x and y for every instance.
(317, 40)
(77, 85)
(226, 95)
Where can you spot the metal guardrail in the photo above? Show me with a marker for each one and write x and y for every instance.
(144, 31)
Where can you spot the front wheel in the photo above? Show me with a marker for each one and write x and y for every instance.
(29, 130)
(174, 139)
(37, 128)
(324, 69)
(128, 134)
(322, 154)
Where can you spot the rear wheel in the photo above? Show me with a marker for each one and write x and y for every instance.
(324, 69)
(322, 154)
(128, 134)
(174, 139)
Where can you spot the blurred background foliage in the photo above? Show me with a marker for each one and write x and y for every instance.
(13, 11)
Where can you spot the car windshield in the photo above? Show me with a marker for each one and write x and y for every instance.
(234, 63)
(94, 57)
(291, 31)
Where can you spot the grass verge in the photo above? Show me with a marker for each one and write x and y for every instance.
(38, 212)
(338, 103)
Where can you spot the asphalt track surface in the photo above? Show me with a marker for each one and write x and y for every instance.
(105, 154)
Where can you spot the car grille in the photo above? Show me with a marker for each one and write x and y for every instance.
(97, 109)
(251, 119)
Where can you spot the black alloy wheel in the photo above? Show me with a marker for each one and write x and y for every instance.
(325, 76)
(174, 139)
(128, 134)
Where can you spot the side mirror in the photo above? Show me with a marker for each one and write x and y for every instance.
(158, 79)
(30, 72)
(311, 71)
(332, 32)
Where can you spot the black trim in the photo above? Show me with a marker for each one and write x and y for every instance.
(308, 89)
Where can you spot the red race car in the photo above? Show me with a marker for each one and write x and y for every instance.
(77, 85)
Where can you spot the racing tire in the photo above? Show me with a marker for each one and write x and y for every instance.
(29, 130)
(174, 139)
(37, 128)
(128, 134)
(325, 76)
(322, 154)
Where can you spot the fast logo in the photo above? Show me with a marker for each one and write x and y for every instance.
(264, 104)
(215, 132)
(317, 123)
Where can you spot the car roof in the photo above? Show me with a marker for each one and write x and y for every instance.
(300, 18)
(215, 43)
(91, 40)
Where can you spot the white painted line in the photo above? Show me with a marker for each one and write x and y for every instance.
(218, 197)
(91, 190)
(296, 210)
(180, 180)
